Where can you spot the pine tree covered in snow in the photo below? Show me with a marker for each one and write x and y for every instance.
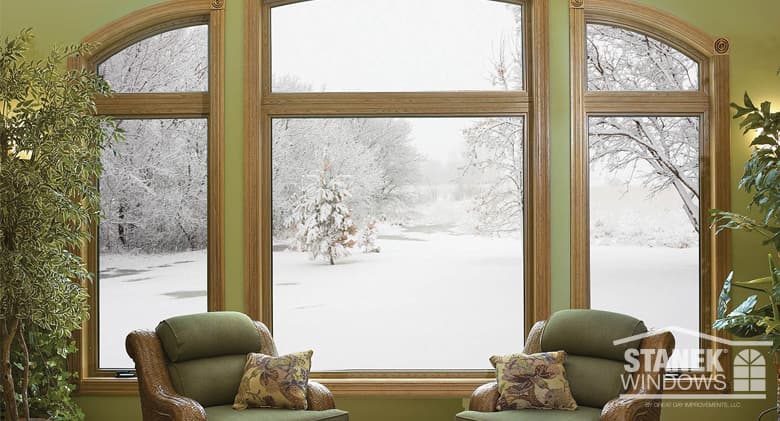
(368, 238)
(321, 220)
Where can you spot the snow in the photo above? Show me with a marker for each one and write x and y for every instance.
(428, 300)
(658, 285)
(138, 291)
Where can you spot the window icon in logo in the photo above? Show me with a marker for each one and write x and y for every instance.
(749, 371)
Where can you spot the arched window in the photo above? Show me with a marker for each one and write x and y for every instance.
(397, 190)
(650, 133)
(158, 250)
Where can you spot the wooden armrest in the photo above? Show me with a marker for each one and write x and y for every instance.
(319, 398)
(632, 409)
(485, 398)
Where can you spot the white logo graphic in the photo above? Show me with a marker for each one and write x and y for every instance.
(749, 371)
(749, 375)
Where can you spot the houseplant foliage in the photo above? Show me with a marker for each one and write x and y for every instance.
(50, 147)
(762, 180)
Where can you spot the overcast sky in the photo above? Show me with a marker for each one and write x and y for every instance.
(398, 45)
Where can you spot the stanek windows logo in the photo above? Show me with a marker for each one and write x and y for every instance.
(645, 369)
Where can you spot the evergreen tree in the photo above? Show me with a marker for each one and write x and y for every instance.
(321, 220)
(368, 238)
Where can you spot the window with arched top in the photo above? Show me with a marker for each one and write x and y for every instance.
(397, 185)
(650, 134)
(157, 251)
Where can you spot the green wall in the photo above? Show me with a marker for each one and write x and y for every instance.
(750, 25)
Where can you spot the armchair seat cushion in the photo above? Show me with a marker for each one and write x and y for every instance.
(227, 413)
(582, 413)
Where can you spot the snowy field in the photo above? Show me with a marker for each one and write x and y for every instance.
(429, 300)
(138, 291)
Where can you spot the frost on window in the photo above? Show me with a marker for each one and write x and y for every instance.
(623, 60)
(401, 233)
(397, 45)
(645, 220)
(153, 234)
(173, 61)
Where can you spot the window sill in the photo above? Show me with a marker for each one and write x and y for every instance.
(353, 387)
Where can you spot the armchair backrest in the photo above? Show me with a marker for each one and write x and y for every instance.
(595, 366)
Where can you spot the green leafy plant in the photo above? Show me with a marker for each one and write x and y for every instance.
(762, 180)
(50, 148)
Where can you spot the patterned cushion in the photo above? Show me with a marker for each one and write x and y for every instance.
(274, 382)
(535, 381)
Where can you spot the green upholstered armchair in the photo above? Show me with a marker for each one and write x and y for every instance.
(191, 367)
(594, 367)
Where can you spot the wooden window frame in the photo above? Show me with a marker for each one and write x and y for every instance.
(710, 103)
(261, 104)
(111, 39)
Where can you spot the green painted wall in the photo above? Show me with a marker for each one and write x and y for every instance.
(749, 24)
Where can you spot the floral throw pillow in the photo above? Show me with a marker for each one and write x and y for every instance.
(535, 381)
(274, 382)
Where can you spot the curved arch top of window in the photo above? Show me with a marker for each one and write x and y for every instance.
(397, 46)
(619, 59)
(172, 61)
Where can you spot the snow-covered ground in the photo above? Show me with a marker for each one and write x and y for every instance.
(429, 300)
(138, 291)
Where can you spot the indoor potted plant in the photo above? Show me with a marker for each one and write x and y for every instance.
(50, 148)
(762, 180)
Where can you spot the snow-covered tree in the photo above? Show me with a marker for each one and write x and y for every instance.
(321, 219)
(658, 152)
(495, 152)
(495, 147)
(376, 152)
(154, 188)
(368, 238)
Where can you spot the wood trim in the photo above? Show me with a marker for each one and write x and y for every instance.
(261, 105)
(252, 97)
(416, 387)
(111, 38)
(710, 103)
(580, 232)
(640, 103)
(655, 22)
(538, 242)
(181, 105)
(144, 23)
(216, 158)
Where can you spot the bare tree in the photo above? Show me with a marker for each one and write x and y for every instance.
(658, 152)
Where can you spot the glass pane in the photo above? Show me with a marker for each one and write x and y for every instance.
(397, 45)
(645, 220)
(173, 61)
(423, 219)
(153, 237)
(623, 60)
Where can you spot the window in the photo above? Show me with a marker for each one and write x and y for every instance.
(650, 134)
(160, 239)
(393, 175)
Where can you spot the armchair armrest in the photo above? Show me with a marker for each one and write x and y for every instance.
(632, 409)
(159, 400)
(485, 398)
(174, 407)
(319, 398)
